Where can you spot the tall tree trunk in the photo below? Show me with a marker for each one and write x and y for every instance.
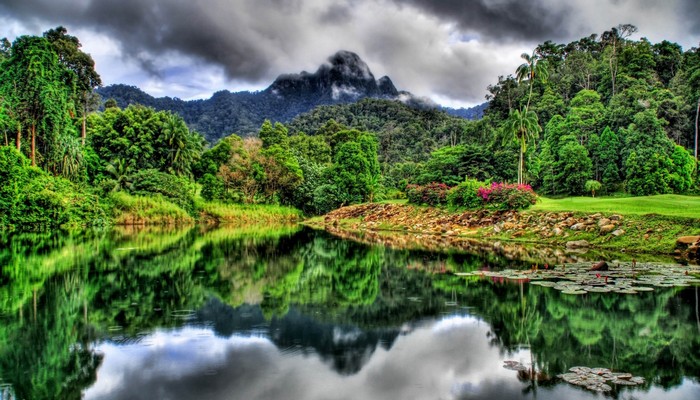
(83, 131)
(33, 147)
(697, 114)
(19, 137)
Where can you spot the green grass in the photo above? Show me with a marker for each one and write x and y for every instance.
(146, 210)
(667, 204)
(248, 213)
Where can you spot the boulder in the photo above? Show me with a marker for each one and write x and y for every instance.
(601, 266)
(579, 226)
(605, 229)
(603, 222)
(577, 244)
(618, 232)
(687, 240)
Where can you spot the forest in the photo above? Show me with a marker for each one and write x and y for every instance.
(604, 114)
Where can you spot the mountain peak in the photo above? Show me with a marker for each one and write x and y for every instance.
(344, 78)
(349, 64)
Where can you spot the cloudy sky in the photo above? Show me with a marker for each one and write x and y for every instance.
(448, 50)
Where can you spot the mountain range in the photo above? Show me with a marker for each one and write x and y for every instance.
(345, 78)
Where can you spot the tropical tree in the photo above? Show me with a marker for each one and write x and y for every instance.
(533, 68)
(39, 89)
(85, 78)
(522, 126)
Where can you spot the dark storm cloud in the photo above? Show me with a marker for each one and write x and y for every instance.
(692, 8)
(147, 30)
(504, 19)
(450, 50)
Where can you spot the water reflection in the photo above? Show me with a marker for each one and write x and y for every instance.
(293, 313)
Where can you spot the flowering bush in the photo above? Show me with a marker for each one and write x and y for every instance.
(432, 194)
(466, 194)
(507, 196)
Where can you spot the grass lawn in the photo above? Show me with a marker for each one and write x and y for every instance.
(666, 204)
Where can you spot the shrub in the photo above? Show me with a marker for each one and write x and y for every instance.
(31, 199)
(466, 194)
(593, 186)
(432, 194)
(176, 189)
(212, 187)
(504, 196)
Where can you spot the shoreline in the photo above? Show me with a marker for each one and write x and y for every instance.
(650, 234)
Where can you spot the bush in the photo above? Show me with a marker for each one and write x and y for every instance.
(466, 194)
(504, 196)
(212, 187)
(432, 194)
(176, 189)
(31, 199)
(593, 186)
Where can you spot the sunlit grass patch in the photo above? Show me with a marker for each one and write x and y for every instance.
(667, 204)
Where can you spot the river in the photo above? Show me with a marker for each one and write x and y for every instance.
(293, 313)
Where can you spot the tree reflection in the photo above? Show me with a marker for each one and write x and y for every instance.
(61, 294)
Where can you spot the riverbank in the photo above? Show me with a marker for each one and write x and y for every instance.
(650, 234)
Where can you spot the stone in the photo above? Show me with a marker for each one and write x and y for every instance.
(618, 232)
(577, 244)
(496, 229)
(601, 266)
(557, 231)
(687, 240)
(616, 217)
(579, 226)
(605, 229)
(603, 222)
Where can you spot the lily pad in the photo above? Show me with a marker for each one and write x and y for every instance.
(573, 291)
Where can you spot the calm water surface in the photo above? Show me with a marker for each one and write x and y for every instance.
(298, 314)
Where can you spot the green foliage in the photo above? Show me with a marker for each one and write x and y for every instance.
(144, 138)
(149, 182)
(355, 172)
(36, 89)
(466, 194)
(647, 173)
(130, 209)
(609, 157)
(522, 126)
(212, 187)
(574, 168)
(273, 135)
(593, 186)
(31, 199)
(682, 173)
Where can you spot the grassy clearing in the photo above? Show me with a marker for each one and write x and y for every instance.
(221, 213)
(667, 204)
(141, 210)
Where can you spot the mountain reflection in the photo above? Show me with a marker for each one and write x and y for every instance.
(294, 313)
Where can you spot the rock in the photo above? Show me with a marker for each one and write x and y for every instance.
(618, 232)
(616, 217)
(579, 226)
(603, 222)
(601, 266)
(577, 244)
(687, 240)
(605, 229)
(557, 231)
(496, 229)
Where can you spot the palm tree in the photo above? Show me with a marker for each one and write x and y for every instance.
(522, 126)
(121, 175)
(533, 68)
